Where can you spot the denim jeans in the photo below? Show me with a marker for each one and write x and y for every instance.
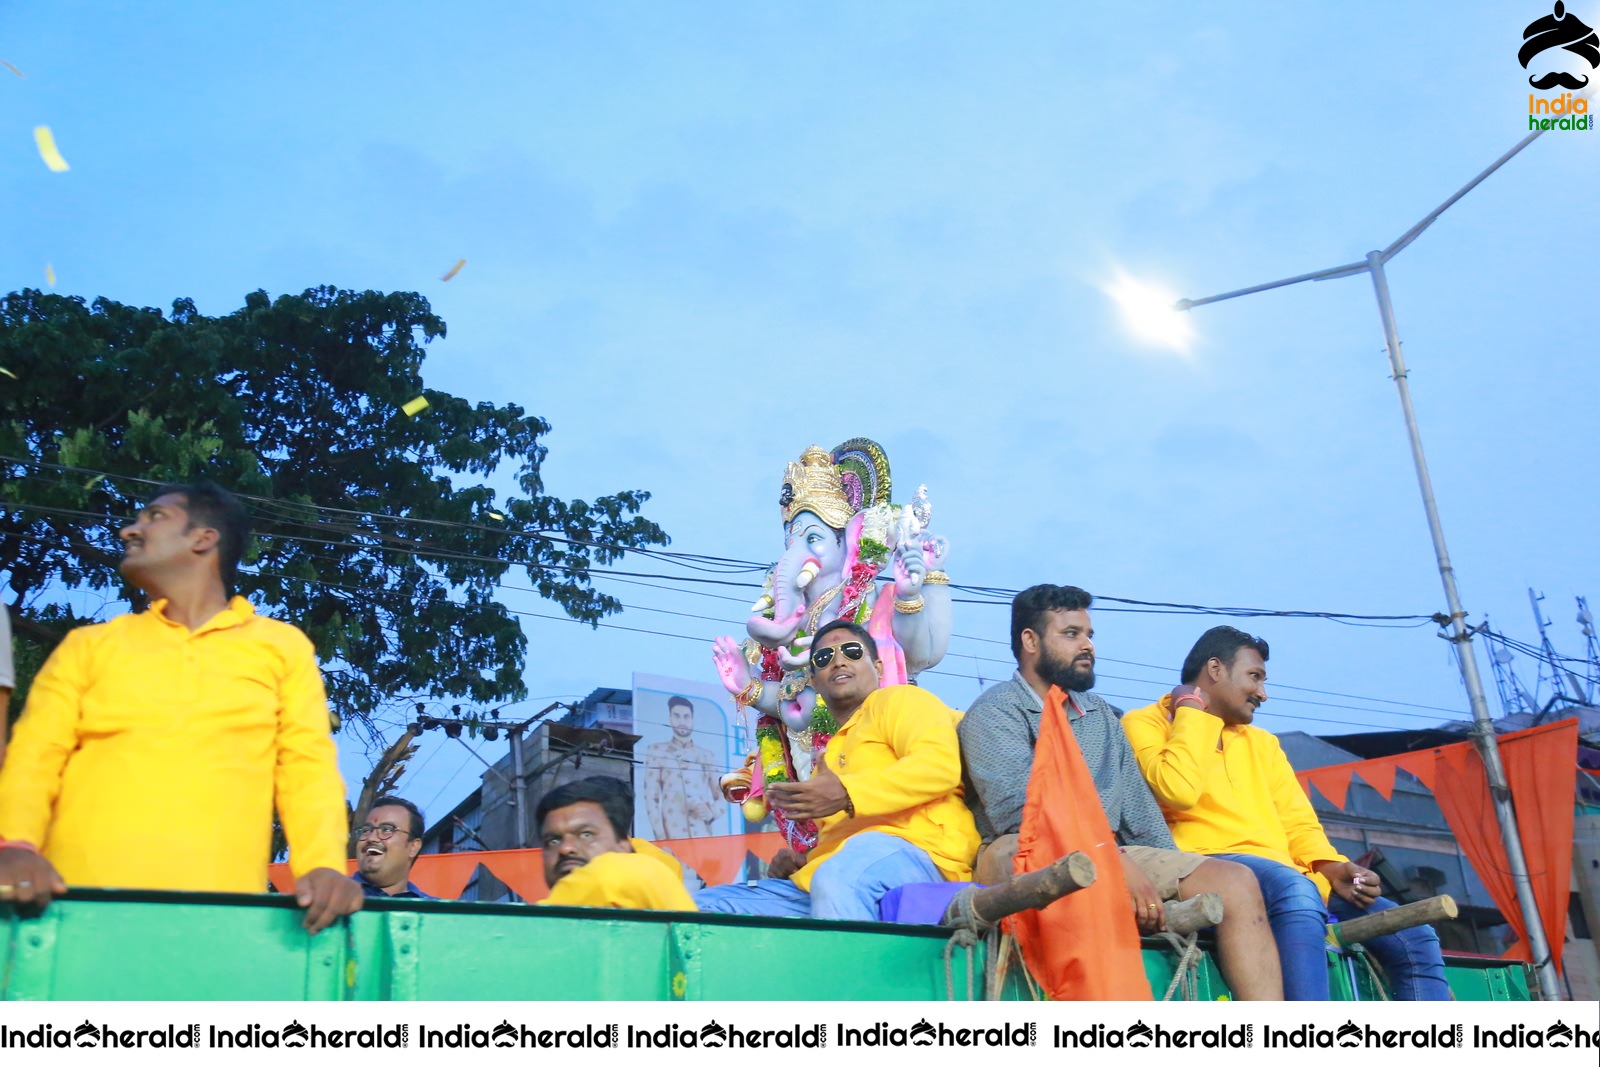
(848, 885)
(1299, 926)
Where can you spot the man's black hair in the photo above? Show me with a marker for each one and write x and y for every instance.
(1033, 603)
(855, 629)
(680, 702)
(213, 507)
(614, 796)
(1218, 643)
(415, 829)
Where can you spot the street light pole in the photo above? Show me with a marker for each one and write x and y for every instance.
(1467, 656)
(1460, 635)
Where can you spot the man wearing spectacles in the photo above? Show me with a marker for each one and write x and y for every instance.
(386, 846)
(886, 796)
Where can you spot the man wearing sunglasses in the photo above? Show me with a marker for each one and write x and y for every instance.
(886, 796)
(387, 844)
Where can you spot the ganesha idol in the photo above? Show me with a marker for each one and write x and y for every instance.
(848, 554)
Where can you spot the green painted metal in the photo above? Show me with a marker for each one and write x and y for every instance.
(110, 945)
(1487, 978)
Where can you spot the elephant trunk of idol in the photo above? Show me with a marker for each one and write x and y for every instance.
(794, 572)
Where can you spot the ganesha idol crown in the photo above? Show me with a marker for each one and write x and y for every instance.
(814, 485)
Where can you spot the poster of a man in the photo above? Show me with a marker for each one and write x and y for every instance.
(681, 797)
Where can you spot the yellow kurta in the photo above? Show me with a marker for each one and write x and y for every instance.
(646, 878)
(1226, 788)
(150, 756)
(899, 760)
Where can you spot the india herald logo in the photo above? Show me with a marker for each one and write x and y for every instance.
(1565, 31)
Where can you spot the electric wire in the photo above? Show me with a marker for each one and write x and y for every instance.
(723, 564)
(994, 594)
(706, 640)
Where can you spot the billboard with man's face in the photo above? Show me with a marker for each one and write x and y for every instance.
(689, 738)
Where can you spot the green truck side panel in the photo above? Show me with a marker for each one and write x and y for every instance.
(106, 945)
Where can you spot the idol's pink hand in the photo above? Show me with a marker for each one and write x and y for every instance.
(731, 666)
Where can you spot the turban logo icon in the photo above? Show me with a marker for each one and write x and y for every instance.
(1559, 30)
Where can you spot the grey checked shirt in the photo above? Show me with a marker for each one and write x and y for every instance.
(997, 736)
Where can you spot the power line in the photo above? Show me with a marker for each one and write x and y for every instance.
(995, 594)
(1276, 685)
(718, 619)
(681, 558)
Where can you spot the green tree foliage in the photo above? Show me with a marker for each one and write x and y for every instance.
(364, 539)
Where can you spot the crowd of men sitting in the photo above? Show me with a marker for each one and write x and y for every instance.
(182, 726)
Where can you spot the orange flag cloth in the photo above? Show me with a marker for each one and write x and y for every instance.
(1085, 946)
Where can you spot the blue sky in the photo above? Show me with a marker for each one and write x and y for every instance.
(703, 236)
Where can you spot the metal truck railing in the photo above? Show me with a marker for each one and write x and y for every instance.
(140, 945)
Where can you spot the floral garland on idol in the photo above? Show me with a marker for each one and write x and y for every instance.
(781, 750)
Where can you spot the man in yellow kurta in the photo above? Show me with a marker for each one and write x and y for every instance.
(589, 859)
(1228, 790)
(154, 747)
(886, 796)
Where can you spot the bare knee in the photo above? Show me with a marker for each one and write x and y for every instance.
(1234, 882)
(996, 861)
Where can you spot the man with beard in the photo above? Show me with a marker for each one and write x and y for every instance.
(886, 796)
(681, 794)
(1052, 639)
(589, 860)
(155, 747)
(1228, 790)
(386, 846)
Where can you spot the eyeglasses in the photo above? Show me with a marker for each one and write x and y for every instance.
(383, 831)
(853, 650)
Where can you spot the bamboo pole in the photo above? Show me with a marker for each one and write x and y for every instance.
(1196, 913)
(1378, 923)
(1036, 889)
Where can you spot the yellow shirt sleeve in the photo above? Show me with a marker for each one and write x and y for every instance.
(1308, 842)
(307, 787)
(922, 732)
(622, 880)
(46, 735)
(1172, 761)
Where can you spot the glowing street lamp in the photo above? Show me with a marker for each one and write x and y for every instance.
(1149, 313)
(1460, 635)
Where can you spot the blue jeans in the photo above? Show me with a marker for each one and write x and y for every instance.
(848, 884)
(1299, 926)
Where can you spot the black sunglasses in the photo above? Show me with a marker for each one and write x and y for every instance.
(852, 650)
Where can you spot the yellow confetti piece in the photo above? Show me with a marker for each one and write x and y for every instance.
(497, 515)
(49, 274)
(13, 70)
(96, 480)
(48, 150)
(8, 374)
(453, 271)
(411, 407)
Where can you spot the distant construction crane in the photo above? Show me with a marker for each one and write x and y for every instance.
(1591, 652)
(1556, 675)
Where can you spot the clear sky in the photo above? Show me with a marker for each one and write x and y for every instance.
(703, 236)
